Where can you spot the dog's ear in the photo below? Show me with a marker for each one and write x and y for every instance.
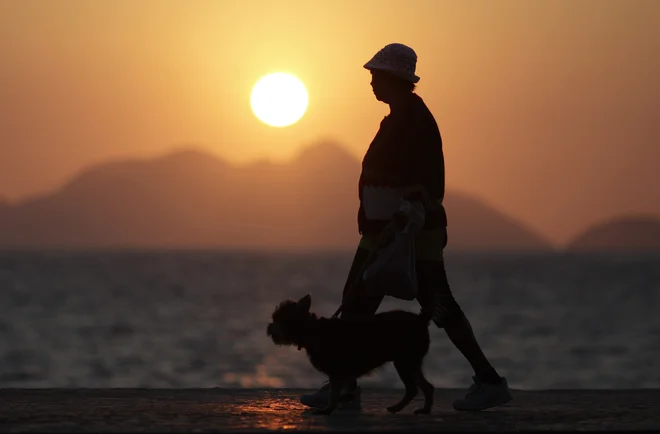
(305, 303)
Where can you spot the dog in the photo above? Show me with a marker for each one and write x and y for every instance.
(347, 349)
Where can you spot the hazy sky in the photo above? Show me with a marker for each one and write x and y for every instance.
(549, 110)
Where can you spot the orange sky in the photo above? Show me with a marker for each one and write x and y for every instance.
(550, 110)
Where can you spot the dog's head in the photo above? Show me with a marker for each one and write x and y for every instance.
(289, 321)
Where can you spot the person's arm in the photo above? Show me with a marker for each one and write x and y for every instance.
(426, 172)
(425, 151)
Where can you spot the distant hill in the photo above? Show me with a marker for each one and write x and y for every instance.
(632, 233)
(192, 199)
(475, 225)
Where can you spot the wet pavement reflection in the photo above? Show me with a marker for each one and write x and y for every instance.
(208, 410)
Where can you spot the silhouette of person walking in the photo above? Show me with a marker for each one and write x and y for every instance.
(406, 154)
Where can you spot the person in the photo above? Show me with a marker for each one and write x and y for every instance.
(406, 154)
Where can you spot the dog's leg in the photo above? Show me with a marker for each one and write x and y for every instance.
(427, 390)
(407, 373)
(336, 386)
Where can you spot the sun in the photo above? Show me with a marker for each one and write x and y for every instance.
(279, 99)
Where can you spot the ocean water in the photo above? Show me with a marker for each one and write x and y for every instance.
(198, 319)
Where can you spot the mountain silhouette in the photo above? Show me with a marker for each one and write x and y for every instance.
(624, 234)
(191, 199)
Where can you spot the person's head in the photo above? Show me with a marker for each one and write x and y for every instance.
(387, 87)
(393, 72)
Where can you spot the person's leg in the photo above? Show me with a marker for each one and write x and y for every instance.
(435, 293)
(355, 303)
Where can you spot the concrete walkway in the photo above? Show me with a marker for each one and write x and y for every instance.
(189, 410)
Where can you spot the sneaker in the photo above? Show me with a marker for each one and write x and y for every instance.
(482, 395)
(319, 399)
